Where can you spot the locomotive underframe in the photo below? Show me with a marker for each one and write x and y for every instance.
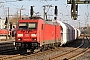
(27, 45)
(35, 45)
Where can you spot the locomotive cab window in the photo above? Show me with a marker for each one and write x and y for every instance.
(42, 27)
(22, 25)
(32, 25)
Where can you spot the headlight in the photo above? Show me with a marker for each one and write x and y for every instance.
(33, 35)
(20, 35)
(19, 39)
(34, 39)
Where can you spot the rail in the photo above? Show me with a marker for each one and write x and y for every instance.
(70, 54)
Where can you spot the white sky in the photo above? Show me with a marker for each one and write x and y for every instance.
(63, 10)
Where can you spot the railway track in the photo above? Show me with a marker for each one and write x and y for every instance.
(72, 54)
(38, 56)
(20, 57)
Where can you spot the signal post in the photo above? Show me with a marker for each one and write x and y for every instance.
(74, 7)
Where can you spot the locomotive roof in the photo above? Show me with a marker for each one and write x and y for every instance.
(46, 21)
(35, 17)
(50, 22)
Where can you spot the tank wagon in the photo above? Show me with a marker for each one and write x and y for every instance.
(38, 33)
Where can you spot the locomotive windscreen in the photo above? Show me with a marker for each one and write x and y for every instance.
(22, 25)
(27, 25)
(32, 25)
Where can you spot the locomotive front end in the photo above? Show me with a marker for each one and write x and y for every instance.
(26, 34)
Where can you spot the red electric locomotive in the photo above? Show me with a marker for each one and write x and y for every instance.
(37, 33)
